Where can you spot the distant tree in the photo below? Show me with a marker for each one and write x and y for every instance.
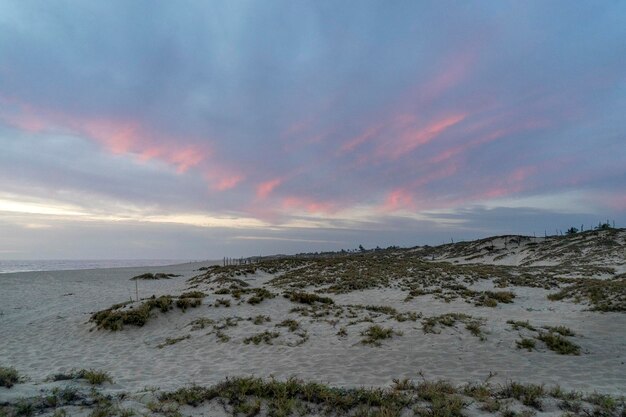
(361, 248)
(603, 226)
(571, 231)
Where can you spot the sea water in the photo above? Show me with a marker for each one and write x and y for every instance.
(66, 264)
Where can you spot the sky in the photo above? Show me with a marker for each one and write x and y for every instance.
(203, 129)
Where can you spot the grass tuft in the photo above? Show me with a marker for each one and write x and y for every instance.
(525, 343)
(114, 318)
(559, 344)
(374, 334)
(307, 298)
(264, 337)
(8, 376)
(291, 324)
(521, 324)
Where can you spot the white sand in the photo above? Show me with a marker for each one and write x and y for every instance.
(44, 330)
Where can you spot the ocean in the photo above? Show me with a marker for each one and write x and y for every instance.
(7, 266)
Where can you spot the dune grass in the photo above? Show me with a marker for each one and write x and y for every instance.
(265, 337)
(92, 376)
(115, 318)
(405, 397)
(521, 324)
(604, 295)
(474, 325)
(525, 343)
(291, 324)
(8, 376)
(172, 341)
(151, 276)
(307, 298)
(375, 334)
(559, 344)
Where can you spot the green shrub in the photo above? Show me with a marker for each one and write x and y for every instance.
(374, 334)
(258, 320)
(307, 298)
(521, 324)
(291, 324)
(525, 343)
(172, 341)
(192, 294)
(95, 377)
(562, 330)
(8, 376)
(260, 294)
(222, 302)
(185, 303)
(559, 344)
(265, 337)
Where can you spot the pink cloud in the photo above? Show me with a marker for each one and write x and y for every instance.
(353, 143)
(118, 135)
(221, 178)
(397, 199)
(414, 137)
(265, 188)
(456, 69)
(308, 204)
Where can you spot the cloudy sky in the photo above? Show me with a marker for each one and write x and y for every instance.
(195, 129)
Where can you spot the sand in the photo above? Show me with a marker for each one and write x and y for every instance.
(45, 329)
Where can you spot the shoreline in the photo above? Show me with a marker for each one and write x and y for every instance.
(159, 264)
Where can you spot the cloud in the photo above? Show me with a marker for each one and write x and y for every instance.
(308, 116)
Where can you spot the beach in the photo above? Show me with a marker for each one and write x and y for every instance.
(46, 330)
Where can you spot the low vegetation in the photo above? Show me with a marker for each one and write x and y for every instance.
(373, 335)
(265, 337)
(600, 294)
(225, 302)
(172, 341)
(554, 338)
(188, 302)
(307, 298)
(517, 325)
(258, 320)
(529, 394)
(260, 294)
(291, 324)
(151, 276)
(8, 376)
(559, 344)
(492, 298)
(248, 396)
(525, 343)
(474, 325)
(562, 330)
(117, 316)
(92, 376)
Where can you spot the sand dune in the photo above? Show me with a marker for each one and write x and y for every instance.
(45, 329)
